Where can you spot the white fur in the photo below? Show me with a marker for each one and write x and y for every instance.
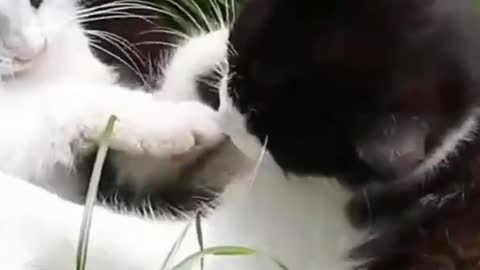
(194, 57)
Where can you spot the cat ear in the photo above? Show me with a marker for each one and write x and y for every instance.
(393, 147)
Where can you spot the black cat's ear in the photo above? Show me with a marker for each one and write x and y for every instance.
(393, 147)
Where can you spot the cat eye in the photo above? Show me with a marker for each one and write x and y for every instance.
(36, 3)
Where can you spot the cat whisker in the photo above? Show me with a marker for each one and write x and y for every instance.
(157, 66)
(132, 68)
(173, 45)
(227, 11)
(231, 9)
(120, 8)
(125, 47)
(213, 85)
(110, 17)
(120, 43)
(231, 50)
(258, 164)
(85, 9)
(202, 14)
(218, 13)
(185, 12)
(125, 5)
(109, 10)
(222, 75)
(165, 30)
(219, 73)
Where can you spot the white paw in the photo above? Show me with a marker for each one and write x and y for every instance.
(178, 131)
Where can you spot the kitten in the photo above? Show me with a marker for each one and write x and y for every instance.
(317, 106)
(56, 98)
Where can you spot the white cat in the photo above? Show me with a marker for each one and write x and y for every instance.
(56, 97)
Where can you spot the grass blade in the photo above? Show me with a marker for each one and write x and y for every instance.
(175, 246)
(92, 194)
(198, 223)
(188, 262)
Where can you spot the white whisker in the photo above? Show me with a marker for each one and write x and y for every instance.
(173, 45)
(165, 30)
(258, 163)
(212, 85)
(201, 13)
(186, 13)
(233, 10)
(227, 11)
(110, 17)
(136, 71)
(217, 12)
(122, 6)
(120, 43)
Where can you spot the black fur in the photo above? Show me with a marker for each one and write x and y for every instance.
(207, 89)
(317, 78)
(338, 84)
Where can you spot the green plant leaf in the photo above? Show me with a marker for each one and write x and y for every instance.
(188, 262)
(175, 246)
(198, 223)
(104, 143)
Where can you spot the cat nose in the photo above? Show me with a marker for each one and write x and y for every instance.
(26, 44)
(28, 52)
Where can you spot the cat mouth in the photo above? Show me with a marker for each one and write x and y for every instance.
(20, 65)
(15, 67)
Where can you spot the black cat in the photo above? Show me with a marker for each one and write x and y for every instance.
(380, 94)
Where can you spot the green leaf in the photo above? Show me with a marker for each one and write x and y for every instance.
(188, 262)
(104, 143)
(175, 246)
(198, 223)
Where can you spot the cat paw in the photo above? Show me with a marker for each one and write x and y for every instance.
(176, 131)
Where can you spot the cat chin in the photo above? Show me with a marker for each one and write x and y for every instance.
(17, 69)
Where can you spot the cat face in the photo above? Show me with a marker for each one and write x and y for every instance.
(31, 29)
(364, 88)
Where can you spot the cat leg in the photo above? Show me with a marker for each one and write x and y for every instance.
(197, 56)
(159, 128)
(166, 130)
